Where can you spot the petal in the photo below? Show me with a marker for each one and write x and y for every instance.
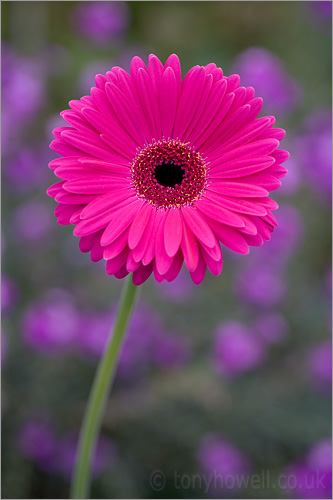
(190, 248)
(145, 93)
(142, 274)
(155, 71)
(219, 213)
(173, 230)
(254, 149)
(121, 219)
(168, 102)
(189, 100)
(213, 123)
(199, 273)
(86, 242)
(122, 140)
(117, 246)
(230, 237)
(139, 224)
(198, 226)
(238, 189)
(140, 248)
(97, 184)
(236, 204)
(86, 143)
(175, 267)
(55, 189)
(238, 167)
(114, 265)
(215, 266)
(174, 63)
(210, 111)
(197, 117)
(90, 226)
(162, 260)
(149, 252)
(249, 227)
(128, 114)
(105, 202)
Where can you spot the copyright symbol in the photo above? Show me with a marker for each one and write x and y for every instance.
(157, 480)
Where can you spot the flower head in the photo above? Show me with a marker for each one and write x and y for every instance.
(157, 170)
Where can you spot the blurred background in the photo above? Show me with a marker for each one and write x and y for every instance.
(218, 383)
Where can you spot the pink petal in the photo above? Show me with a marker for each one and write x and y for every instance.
(142, 274)
(236, 204)
(139, 224)
(219, 213)
(76, 121)
(173, 230)
(121, 219)
(96, 251)
(174, 63)
(162, 260)
(213, 123)
(149, 104)
(189, 100)
(86, 242)
(262, 180)
(175, 267)
(231, 124)
(131, 264)
(64, 213)
(140, 248)
(254, 240)
(238, 189)
(197, 118)
(214, 266)
(105, 125)
(121, 273)
(54, 189)
(198, 226)
(87, 143)
(232, 82)
(105, 202)
(149, 252)
(254, 149)
(190, 248)
(280, 155)
(247, 133)
(74, 199)
(128, 116)
(230, 237)
(210, 111)
(168, 102)
(90, 226)
(250, 227)
(117, 246)
(155, 72)
(239, 167)
(113, 265)
(64, 149)
(200, 271)
(97, 184)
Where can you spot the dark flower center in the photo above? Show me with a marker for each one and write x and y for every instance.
(169, 174)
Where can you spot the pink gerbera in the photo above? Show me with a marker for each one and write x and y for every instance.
(158, 170)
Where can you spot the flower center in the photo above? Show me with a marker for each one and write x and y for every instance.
(169, 174)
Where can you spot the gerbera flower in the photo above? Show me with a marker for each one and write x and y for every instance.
(158, 170)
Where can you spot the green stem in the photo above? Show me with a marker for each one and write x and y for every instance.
(99, 392)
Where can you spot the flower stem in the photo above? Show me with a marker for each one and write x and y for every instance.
(99, 392)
